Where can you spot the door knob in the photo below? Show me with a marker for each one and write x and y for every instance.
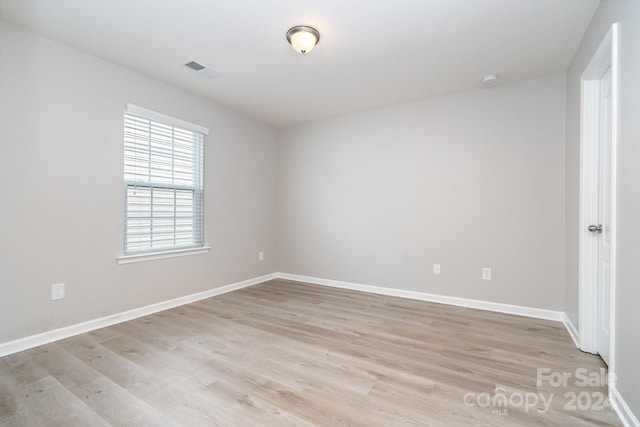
(595, 228)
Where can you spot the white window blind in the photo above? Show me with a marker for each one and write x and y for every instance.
(163, 174)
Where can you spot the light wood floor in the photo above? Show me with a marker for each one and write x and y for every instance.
(286, 353)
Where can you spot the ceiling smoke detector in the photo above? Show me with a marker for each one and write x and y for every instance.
(202, 70)
(490, 80)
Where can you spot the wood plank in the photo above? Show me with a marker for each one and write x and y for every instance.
(293, 354)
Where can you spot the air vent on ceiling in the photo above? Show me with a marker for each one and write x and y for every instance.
(195, 66)
(202, 70)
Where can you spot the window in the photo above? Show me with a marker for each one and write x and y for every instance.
(164, 189)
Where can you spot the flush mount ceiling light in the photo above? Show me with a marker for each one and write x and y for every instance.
(303, 38)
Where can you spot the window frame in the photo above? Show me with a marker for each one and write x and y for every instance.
(197, 190)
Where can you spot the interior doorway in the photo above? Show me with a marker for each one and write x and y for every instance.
(598, 201)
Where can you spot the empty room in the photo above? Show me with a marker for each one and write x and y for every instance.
(330, 213)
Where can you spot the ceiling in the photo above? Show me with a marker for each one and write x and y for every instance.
(371, 53)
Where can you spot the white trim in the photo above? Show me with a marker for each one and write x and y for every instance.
(613, 372)
(606, 56)
(571, 329)
(163, 118)
(26, 343)
(518, 310)
(617, 402)
(619, 405)
(150, 256)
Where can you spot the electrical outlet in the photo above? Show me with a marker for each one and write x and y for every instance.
(260, 256)
(486, 273)
(57, 291)
(436, 268)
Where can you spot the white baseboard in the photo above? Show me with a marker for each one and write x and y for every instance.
(32, 341)
(617, 402)
(538, 313)
(26, 343)
(622, 409)
(571, 329)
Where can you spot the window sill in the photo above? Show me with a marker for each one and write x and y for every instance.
(150, 256)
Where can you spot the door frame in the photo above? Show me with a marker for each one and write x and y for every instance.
(606, 56)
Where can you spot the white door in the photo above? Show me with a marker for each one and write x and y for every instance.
(597, 250)
(604, 230)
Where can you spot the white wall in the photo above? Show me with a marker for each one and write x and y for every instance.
(61, 165)
(468, 180)
(627, 354)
